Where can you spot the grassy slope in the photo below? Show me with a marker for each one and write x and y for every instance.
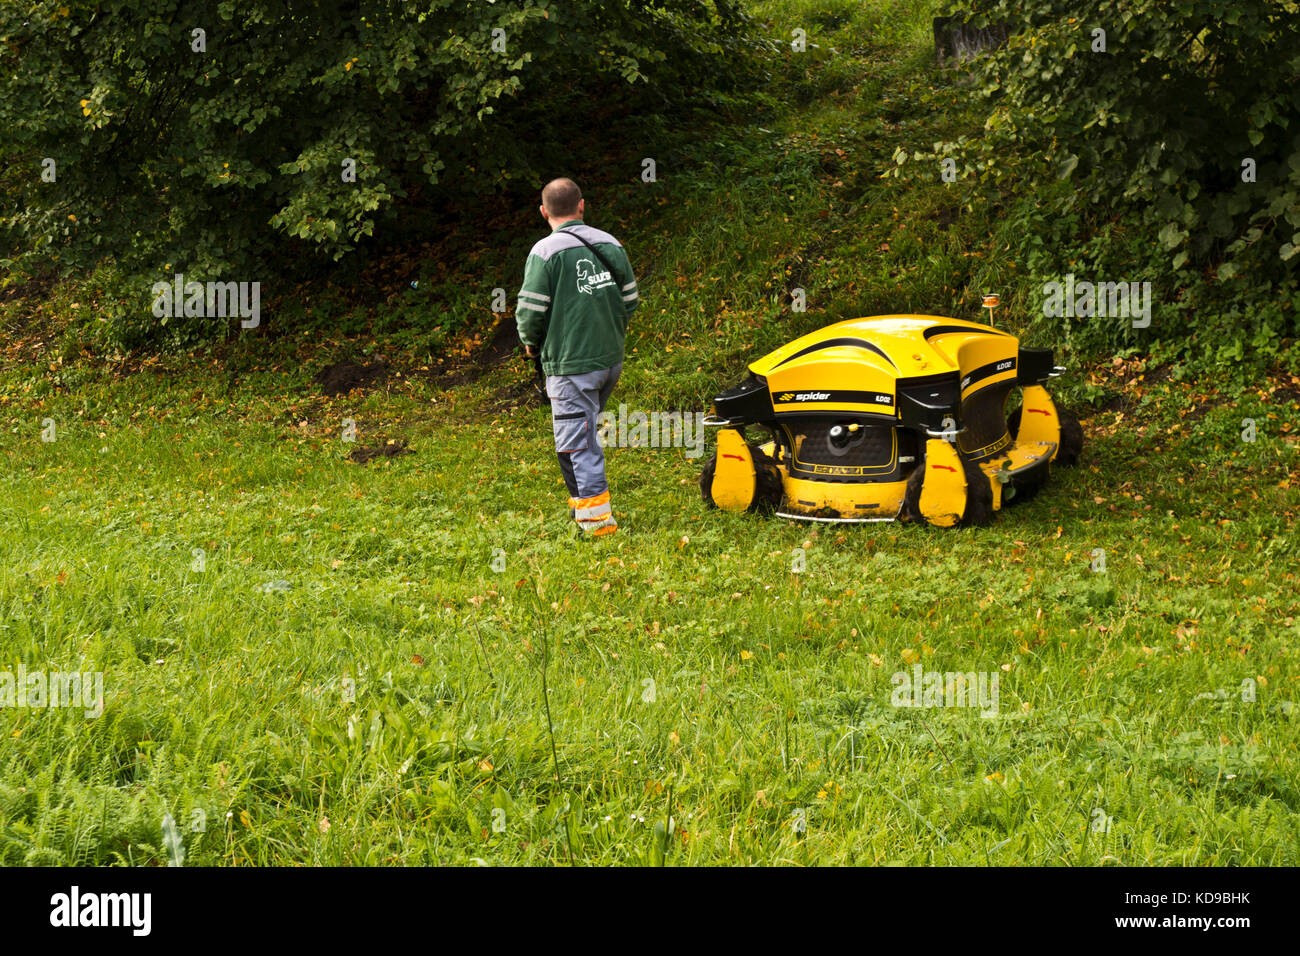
(690, 671)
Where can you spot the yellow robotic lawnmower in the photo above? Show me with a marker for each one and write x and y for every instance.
(888, 417)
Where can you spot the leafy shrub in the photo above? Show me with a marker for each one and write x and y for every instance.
(1130, 161)
(216, 139)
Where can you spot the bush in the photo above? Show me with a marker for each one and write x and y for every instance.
(215, 139)
(1118, 138)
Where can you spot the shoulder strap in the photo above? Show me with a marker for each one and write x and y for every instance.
(603, 261)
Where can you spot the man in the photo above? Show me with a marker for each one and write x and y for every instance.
(577, 296)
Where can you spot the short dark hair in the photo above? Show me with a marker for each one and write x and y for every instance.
(561, 197)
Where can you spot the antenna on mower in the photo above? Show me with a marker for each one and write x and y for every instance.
(990, 303)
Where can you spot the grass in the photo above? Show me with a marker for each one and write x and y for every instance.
(350, 667)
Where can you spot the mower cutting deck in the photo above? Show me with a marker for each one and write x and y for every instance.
(893, 416)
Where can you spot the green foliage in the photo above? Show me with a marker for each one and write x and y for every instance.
(228, 156)
(1131, 162)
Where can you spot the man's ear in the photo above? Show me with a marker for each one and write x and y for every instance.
(582, 207)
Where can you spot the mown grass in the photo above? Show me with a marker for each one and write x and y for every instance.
(354, 673)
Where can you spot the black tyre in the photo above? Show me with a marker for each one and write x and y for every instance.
(979, 496)
(1071, 439)
(706, 480)
(912, 493)
(1018, 492)
(1071, 435)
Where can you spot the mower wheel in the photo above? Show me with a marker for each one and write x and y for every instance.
(1026, 491)
(1071, 435)
(979, 496)
(769, 488)
(1071, 438)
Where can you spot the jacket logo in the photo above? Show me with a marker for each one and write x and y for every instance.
(591, 278)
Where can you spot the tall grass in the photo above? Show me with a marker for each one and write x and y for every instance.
(344, 678)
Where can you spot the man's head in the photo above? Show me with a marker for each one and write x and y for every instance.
(561, 201)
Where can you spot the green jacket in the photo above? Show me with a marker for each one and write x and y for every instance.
(572, 305)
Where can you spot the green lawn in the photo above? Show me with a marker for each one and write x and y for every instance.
(351, 668)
